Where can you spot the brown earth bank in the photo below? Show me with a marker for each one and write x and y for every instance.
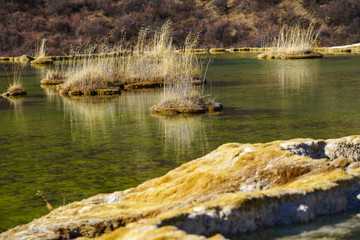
(234, 189)
(221, 24)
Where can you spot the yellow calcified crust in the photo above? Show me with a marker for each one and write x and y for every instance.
(151, 232)
(289, 56)
(217, 50)
(236, 188)
(42, 60)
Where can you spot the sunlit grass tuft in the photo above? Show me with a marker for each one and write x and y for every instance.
(293, 42)
(52, 75)
(154, 59)
(15, 85)
(40, 51)
(295, 39)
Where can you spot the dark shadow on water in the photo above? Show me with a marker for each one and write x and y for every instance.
(332, 226)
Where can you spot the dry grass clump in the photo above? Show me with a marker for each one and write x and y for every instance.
(40, 55)
(40, 51)
(178, 100)
(295, 39)
(155, 59)
(179, 94)
(15, 88)
(53, 78)
(91, 73)
(293, 42)
(153, 63)
(51, 75)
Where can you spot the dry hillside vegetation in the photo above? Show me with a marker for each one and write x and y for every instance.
(229, 23)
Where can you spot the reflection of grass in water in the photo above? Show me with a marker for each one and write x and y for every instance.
(16, 103)
(91, 114)
(183, 133)
(140, 101)
(294, 76)
(51, 93)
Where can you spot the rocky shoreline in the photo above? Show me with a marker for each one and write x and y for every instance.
(234, 189)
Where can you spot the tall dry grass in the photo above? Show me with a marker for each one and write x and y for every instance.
(153, 59)
(15, 84)
(295, 39)
(90, 73)
(89, 69)
(40, 51)
(179, 91)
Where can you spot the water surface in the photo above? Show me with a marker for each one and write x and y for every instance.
(74, 148)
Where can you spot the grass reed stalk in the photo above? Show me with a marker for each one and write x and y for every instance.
(16, 83)
(41, 51)
(295, 39)
(180, 92)
(153, 59)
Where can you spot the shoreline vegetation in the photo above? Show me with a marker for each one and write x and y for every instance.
(346, 49)
(236, 188)
(153, 63)
(294, 42)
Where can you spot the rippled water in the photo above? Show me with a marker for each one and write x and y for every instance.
(73, 148)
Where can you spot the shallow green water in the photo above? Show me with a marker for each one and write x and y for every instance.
(75, 148)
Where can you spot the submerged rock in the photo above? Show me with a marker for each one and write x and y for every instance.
(236, 188)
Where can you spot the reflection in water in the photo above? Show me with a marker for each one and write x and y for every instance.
(183, 134)
(91, 114)
(16, 103)
(100, 114)
(294, 76)
(19, 120)
(51, 93)
(140, 101)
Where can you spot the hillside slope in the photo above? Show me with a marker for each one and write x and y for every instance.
(220, 23)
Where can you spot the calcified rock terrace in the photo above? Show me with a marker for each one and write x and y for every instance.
(234, 189)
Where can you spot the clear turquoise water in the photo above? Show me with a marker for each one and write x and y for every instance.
(75, 148)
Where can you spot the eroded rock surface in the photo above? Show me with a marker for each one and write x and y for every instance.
(236, 188)
(347, 147)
